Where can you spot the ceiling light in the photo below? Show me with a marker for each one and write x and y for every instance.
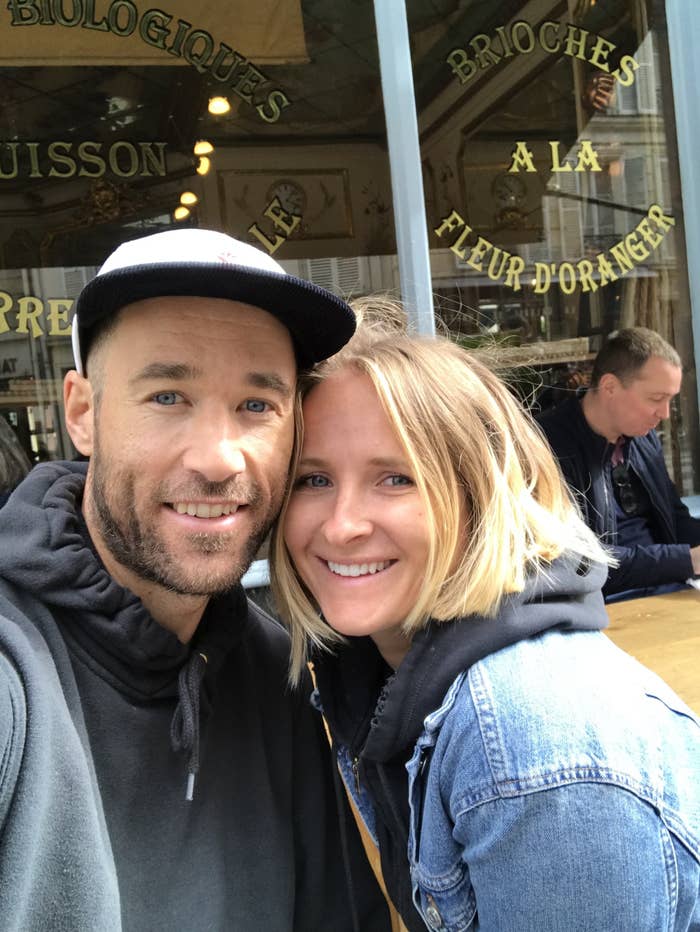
(203, 165)
(219, 105)
(202, 147)
(189, 198)
(181, 213)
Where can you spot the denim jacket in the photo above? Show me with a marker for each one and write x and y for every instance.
(556, 788)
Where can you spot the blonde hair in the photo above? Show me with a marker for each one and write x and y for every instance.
(497, 507)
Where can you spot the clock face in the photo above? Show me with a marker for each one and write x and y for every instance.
(509, 190)
(290, 194)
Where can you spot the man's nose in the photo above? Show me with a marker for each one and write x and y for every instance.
(663, 411)
(215, 449)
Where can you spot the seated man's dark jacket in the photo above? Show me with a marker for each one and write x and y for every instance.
(102, 712)
(584, 458)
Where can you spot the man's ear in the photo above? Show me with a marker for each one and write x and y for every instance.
(79, 406)
(608, 384)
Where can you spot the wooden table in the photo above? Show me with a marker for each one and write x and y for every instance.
(663, 633)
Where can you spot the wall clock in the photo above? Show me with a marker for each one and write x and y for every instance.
(509, 190)
(291, 195)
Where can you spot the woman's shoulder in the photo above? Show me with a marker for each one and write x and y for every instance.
(563, 747)
(566, 707)
(583, 670)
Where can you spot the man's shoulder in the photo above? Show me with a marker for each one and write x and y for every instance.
(565, 428)
(563, 419)
(259, 667)
(30, 640)
(265, 636)
(13, 719)
(28, 685)
(265, 624)
(649, 445)
(12, 698)
(17, 622)
(12, 708)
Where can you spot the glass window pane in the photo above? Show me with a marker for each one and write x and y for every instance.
(262, 119)
(552, 186)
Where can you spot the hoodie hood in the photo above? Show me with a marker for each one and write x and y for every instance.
(46, 550)
(48, 554)
(380, 718)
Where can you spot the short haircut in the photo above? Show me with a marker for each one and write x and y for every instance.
(93, 367)
(624, 354)
(497, 507)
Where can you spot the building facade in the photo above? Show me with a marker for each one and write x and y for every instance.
(521, 168)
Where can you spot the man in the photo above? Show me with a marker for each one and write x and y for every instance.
(611, 456)
(157, 773)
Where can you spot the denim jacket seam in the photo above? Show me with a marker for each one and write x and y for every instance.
(487, 721)
(442, 882)
(500, 787)
(568, 776)
(671, 864)
(676, 827)
(511, 789)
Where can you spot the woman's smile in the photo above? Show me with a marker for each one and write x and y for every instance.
(368, 568)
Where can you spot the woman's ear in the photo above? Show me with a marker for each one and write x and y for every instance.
(79, 406)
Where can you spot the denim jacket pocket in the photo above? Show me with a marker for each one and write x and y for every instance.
(446, 903)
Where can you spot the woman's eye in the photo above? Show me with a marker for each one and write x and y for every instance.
(167, 398)
(397, 480)
(314, 481)
(256, 407)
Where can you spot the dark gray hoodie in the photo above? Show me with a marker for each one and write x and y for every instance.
(102, 714)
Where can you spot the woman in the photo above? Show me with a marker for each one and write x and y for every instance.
(517, 770)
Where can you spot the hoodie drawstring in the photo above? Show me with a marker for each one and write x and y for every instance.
(184, 729)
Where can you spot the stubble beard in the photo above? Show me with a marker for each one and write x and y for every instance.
(140, 548)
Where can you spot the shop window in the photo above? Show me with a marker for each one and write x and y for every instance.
(546, 138)
(553, 193)
(264, 120)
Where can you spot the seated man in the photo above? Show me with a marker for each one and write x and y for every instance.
(611, 457)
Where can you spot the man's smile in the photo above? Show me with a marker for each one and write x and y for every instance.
(204, 509)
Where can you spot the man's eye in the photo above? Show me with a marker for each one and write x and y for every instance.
(167, 398)
(312, 481)
(256, 407)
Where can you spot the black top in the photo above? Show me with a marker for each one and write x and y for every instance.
(96, 830)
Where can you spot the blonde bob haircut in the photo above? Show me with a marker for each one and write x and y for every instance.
(496, 505)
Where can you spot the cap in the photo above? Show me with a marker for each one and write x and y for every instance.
(209, 264)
